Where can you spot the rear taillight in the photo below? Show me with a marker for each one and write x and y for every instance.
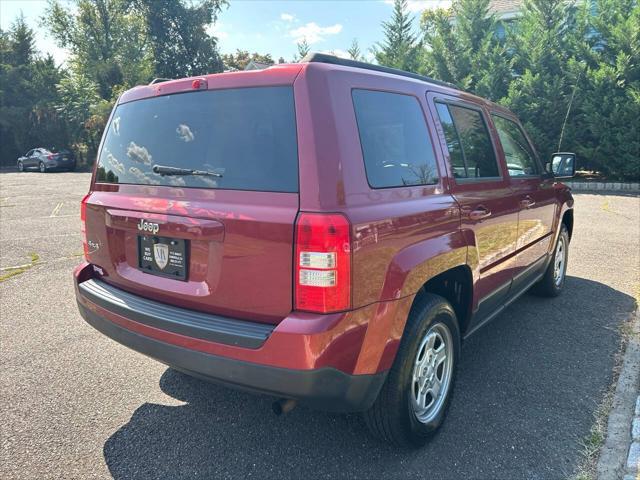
(50, 157)
(83, 226)
(322, 263)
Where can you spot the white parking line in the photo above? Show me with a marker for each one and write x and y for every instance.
(57, 209)
(60, 216)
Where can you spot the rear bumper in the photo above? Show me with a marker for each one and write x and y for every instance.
(54, 164)
(325, 388)
(335, 362)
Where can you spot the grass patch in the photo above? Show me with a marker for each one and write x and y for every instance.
(593, 442)
(14, 271)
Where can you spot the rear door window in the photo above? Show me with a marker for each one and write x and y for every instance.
(246, 137)
(468, 141)
(453, 141)
(396, 145)
(518, 153)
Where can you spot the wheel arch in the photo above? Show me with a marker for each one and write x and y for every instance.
(567, 220)
(456, 286)
(437, 265)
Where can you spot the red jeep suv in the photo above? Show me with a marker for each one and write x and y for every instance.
(324, 232)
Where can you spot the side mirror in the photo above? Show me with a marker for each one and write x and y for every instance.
(562, 165)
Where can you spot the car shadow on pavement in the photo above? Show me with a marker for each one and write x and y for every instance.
(528, 385)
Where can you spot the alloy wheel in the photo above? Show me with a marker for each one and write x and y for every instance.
(560, 260)
(432, 372)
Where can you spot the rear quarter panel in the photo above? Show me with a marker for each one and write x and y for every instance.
(401, 236)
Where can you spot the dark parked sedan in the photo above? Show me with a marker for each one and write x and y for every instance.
(46, 160)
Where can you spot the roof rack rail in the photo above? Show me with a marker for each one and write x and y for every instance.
(159, 80)
(314, 57)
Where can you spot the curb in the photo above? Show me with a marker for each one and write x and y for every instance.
(626, 187)
(633, 460)
(615, 452)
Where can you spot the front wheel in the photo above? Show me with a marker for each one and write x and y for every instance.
(42, 167)
(414, 400)
(552, 283)
(20, 167)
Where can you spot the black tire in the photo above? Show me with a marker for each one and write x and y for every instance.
(42, 167)
(392, 417)
(20, 167)
(548, 285)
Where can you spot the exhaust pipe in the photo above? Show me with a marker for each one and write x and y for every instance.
(284, 405)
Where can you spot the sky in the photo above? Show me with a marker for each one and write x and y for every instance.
(265, 26)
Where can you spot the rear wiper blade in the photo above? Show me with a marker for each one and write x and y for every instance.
(164, 170)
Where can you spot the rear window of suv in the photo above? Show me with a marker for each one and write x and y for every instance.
(246, 137)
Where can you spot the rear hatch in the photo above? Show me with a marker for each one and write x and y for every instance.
(195, 197)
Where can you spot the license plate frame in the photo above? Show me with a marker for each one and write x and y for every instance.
(163, 256)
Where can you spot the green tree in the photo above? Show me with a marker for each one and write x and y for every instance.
(47, 127)
(85, 112)
(400, 47)
(354, 51)
(607, 128)
(107, 39)
(78, 96)
(22, 39)
(303, 50)
(241, 59)
(546, 75)
(177, 31)
(466, 51)
(27, 95)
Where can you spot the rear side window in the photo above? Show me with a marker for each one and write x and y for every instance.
(453, 141)
(517, 151)
(396, 146)
(247, 137)
(469, 143)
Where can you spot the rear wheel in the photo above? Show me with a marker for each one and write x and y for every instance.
(552, 282)
(414, 399)
(20, 167)
(42, 167)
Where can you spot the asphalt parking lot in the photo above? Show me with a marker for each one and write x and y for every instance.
(77, 405)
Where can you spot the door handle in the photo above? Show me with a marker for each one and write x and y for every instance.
(527, 202)
(479, 213)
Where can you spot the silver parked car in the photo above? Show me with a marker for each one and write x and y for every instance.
(46, 160)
